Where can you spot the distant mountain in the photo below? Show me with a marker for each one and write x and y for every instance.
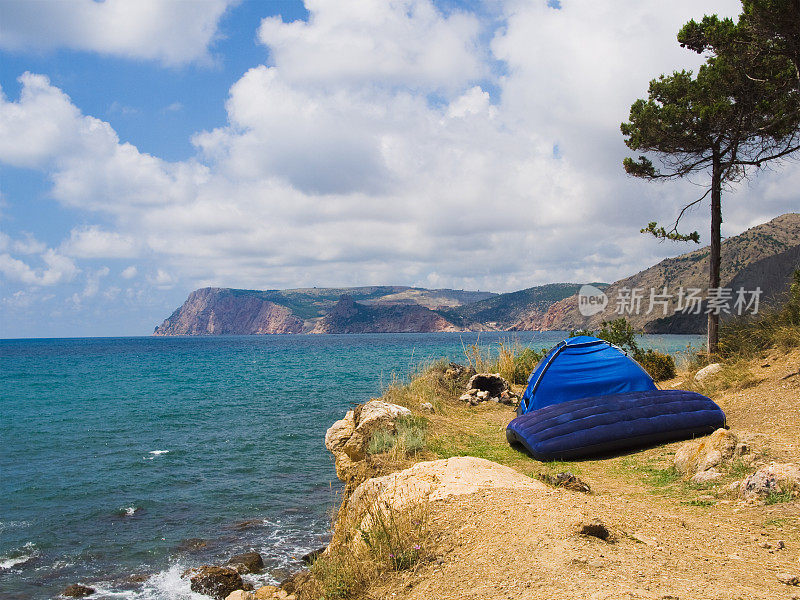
(514, 310)
(763, 256)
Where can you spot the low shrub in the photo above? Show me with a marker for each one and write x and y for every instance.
(658, 365)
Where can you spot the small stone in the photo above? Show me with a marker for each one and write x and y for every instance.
(706, 476)
(309, 558)
(482, 395)
(427, 407)
(465, 397)
(595, 528)
(788, 579)
(742, 448)
(240, 595)
(77, 590)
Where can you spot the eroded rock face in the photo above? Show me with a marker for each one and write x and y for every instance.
(700, 455)
(217, 582)
(772, 478)
(347, 439)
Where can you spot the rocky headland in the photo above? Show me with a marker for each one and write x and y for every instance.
(762, 257)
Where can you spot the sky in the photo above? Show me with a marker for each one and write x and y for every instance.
(150, 148)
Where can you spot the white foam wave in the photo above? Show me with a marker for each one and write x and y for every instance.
(154, 453)
(28, 552)
(168, 585)
(129, 511)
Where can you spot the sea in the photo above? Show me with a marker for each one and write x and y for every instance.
(126, 461)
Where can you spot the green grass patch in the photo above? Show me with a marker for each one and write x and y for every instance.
(699, 502)
(408, 438)
(779, 497)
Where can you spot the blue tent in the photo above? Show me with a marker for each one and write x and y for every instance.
(587, 397)
(580, 367)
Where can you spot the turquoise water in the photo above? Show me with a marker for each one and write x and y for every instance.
(115, 452)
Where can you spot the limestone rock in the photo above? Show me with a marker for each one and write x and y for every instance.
(240, 595)
(217, 582)
(338, 433)
(707, 372)
(697, 456)
(266, 592)
(789, 578)
(772, 478)
(706, 476)
(372, 416)
(347, 438)
(248, 562)
(77, 590)
(427, 407)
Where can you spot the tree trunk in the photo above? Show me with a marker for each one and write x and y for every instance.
(716, 246)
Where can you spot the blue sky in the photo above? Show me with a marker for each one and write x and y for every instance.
(150, 148)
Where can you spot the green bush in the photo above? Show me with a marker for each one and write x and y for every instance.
(660, 366)
(619, 332)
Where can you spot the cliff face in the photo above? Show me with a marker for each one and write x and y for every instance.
(217, 311)
(349, 316)
(764, 256)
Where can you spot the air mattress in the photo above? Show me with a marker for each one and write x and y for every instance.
(600, 425)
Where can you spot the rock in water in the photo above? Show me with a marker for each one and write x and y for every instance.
(217, 582)
(248, 562)
(76, 590)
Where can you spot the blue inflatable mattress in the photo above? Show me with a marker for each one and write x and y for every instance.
(602, 424)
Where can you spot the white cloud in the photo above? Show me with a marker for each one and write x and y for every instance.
(92, 286)
(57, 269)
(171, 32)
(354, 42)
(369, 176)
(93, 242)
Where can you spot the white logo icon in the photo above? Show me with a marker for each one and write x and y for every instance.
(591, 300)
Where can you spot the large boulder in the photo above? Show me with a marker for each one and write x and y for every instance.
(774, 478)
(706, 373)
(217, 582)
(701, 455)
(436, 480)
(347, 439)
